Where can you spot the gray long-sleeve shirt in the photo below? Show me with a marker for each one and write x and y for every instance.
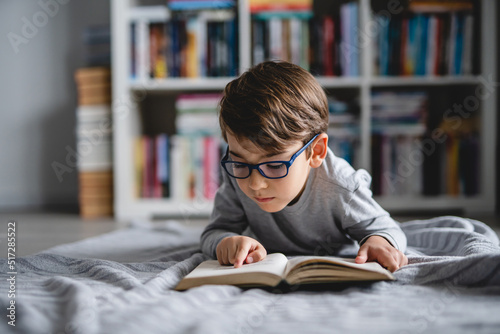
(335, 209)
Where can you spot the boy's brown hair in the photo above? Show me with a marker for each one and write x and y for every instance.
(272, 104)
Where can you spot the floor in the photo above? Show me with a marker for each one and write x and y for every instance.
(37, 231)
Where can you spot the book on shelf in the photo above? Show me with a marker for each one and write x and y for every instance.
(197, 113)
(197, 5)
(258, 6)
(349, 48)
(152, 166)
(434, 6)
(277, 269)
(426, 42)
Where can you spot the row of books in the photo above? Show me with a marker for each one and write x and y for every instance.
(179, 167)
(183, 44)
(425, 44)
(452, 165)
(325, 45)
(94, 142)
(396, 165)
(409, 163)
(419, 165)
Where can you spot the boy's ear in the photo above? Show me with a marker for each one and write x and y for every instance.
(319, 150)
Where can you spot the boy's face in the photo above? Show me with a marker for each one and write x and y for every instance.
(271, 195)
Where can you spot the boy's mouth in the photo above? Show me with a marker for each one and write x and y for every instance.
(263, 199)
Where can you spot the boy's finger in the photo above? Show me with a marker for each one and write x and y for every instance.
(362, 255)
(256, 255)
(241, 255)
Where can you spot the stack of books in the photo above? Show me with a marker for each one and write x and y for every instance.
(197, 147)
(94, 141)
(97, 42)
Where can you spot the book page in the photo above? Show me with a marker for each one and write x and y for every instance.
(298, 261)
(273, 263)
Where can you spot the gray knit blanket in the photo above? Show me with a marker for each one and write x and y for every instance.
(122, 282)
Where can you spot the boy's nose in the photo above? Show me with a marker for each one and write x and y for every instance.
(256, 180)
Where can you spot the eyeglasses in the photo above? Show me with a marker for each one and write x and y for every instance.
(269, 169)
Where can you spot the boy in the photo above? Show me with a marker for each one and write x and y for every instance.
(282, 181)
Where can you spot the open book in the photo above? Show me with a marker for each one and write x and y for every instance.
(276, 269)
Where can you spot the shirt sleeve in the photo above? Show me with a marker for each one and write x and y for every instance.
(364, 217)
(228, 218)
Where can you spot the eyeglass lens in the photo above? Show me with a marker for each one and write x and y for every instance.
(273, 170)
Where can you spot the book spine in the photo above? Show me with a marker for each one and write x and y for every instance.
(192, 47)
(328, 42)
(468, 45)
(142, 50)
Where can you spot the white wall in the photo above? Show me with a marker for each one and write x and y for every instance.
(38, 97)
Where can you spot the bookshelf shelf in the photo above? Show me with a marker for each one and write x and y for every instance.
(127, 120)
(157, 208)
(335, 82)
(424, 81)
(422, 203)
(183, 84)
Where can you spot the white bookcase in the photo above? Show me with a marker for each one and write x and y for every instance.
(126, 119)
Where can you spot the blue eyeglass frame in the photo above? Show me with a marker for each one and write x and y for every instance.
(288, 163)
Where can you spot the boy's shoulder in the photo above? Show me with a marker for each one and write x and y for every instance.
(337, 172)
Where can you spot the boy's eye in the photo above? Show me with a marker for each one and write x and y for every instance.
(235, 165)
(275, 166)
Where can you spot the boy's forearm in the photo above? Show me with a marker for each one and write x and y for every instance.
(227, 219)
(383, 226)
(365, 217)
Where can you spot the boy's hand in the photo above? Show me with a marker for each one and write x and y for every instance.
(377, 248)
(238, 250)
